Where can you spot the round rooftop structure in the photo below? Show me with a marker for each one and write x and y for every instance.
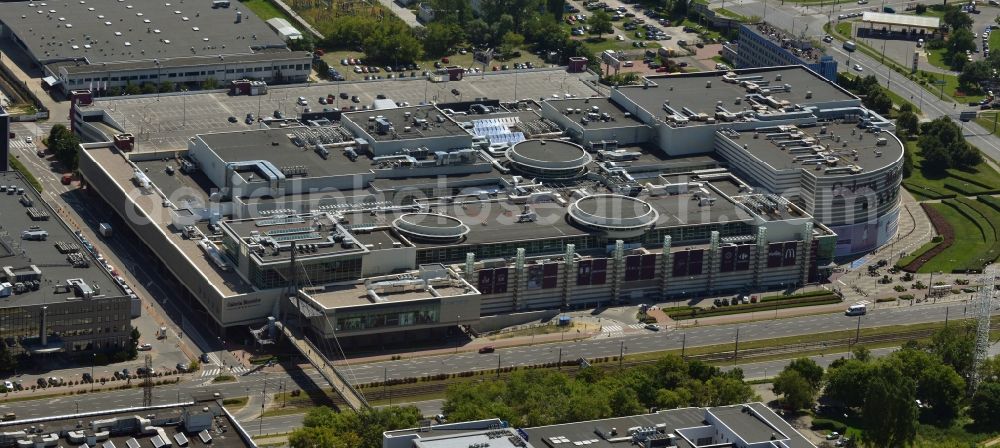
(430, 227)
(613, 214)
(556, 159)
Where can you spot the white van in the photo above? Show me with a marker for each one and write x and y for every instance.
(856, 310)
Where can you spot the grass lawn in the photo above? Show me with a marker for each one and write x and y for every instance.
(980, 178)
(936, 58)
(994, 40)
(266, 10)
(951, 88)
(969, 241)
(985, 119)
(845, 29)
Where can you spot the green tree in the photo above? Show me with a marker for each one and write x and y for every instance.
(354, 429)
(921, 8)
(956, 19)
(209, 84)
(960, 40)
(890, 408)
(679, 8)
(313, 437)
(848, 383)
(624, 402)
(600, 23)
(907, 162)
(64, 143)
(942, 389)
(908, 123)
(149, 88)
(985, 407)
(725, 390)
(132, 89)
(955, 345)
(439, 37)
(167, 86)
(809, 370)
(510, 43)
(133, 343)
(975, 72)
(796, 391)
(478, 31)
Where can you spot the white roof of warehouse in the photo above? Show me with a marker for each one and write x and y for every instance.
(901, 20)
(284, 28)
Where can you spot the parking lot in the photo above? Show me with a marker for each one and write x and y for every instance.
(901, 51)
(165, 122)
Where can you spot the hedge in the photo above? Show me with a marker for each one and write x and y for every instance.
(695, 313)
(820, 424)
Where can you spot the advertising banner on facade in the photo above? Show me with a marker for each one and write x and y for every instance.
(727, 262)
(743, 254)
(695, 261)
(774, 254)
(583, 270)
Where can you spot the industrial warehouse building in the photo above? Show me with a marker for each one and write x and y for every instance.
(399, 224)
(104, 44)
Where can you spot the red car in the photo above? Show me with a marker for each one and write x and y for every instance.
(445, 60)
(661, 70)
(487, 349)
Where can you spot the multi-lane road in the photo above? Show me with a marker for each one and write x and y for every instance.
(527, 355)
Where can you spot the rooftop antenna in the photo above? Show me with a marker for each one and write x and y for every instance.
(982, 307)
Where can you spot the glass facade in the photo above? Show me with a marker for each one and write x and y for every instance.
(402, 315)
(320, 271)
(81, 324)
(455, 254)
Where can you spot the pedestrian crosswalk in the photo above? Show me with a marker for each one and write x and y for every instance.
(216, 371)
(637, 326)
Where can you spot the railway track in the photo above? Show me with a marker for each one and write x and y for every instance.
(425, 387)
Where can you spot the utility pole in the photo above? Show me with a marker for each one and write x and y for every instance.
(621, 355)
(559, 365)
(736, 348)
(946, 309)
(385, 382)
(498, 365)
(857, 333)
(263, 401)
(684, 340)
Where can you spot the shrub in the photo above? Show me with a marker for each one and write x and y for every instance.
(820, 424)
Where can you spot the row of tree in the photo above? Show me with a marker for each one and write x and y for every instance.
(546, 397)
(541, 397)
(891, 395)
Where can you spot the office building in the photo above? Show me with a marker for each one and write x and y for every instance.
(763, 45)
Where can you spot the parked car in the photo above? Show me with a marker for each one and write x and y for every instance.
(652, 327)
(204, 358)
(487, 349)
(8, 385)
(145, 347)
(233, 119)
(87, 377)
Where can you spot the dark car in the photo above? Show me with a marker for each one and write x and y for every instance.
(278, 114)
(344, 95)
(455, 92)
(487, 349)
(380, 96)
(355, 99)
(232, 119)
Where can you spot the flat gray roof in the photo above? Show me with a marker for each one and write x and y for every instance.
(758, 428)
(549, 150)
(397, 118)
(683, 210)
(273, 55)
(604, 106)
(219, 439)
(161, 30)
(689, 90)
(55, 267)
(581, 431)
(287, 229)
(274, 146)
(853, 141)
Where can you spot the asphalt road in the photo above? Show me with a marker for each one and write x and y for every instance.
(429, 365)
(644, 342)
